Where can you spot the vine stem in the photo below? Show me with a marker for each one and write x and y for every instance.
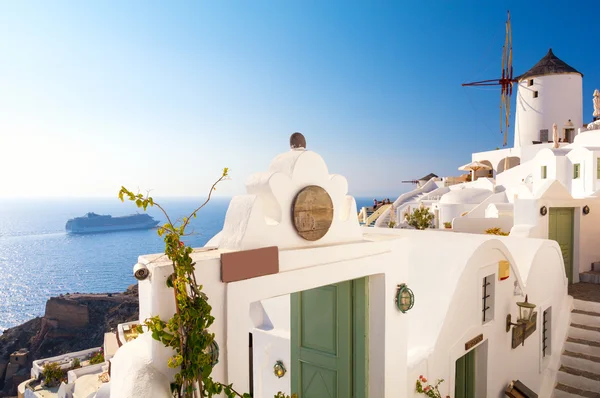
(205, 202)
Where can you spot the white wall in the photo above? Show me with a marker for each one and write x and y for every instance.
(300, 269)
(67, 359)
(452, 211)
(479, 225)
(584, 185)
(545, 284)
(559, 99)
(586, 227)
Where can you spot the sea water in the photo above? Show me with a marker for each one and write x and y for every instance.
(39, 260)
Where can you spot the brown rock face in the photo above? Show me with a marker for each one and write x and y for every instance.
(71, 323)
(67, 313)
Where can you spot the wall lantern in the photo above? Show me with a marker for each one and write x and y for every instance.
(525, 322)
(586, 209)
(213, 351)
(405, 299)
(543, 210)
(279, 370)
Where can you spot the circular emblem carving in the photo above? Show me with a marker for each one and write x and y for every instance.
(312, 212)
(543, 211)
(586, 209)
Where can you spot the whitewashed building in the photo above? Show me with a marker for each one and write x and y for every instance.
(319, 298)
(537, 188)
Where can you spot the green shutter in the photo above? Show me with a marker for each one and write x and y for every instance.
(560, 229)
(598, 168)
(328, 333)
(464, 386)
(544, 172)
(576, 169)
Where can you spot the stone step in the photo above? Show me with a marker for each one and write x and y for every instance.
(590, 277)
(589, 306)
(562, 391)
(588, 318)
(582, 346)
(584, 332)
(577, 360)
(581, 379)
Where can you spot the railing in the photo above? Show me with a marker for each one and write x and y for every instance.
(376, 214)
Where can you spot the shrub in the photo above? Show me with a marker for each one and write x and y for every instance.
(496, 231)
(97, 358)
(420, 218)
(52, 374)
(392, 224)
(448, 224)
(76, 363)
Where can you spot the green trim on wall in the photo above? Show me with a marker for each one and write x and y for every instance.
(329, 335)
(360, 321)
(464, 385)
(560, 229)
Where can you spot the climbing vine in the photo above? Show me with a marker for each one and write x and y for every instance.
(187, 331)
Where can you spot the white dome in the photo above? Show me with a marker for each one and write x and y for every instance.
(466, 196)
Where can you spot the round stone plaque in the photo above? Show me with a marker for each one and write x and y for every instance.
(312, 212)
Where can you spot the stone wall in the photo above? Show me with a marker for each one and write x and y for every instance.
(67, 313)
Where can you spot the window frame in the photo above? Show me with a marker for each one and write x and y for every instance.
(487, 298)
(547, 332)
(536, 94)
(530, 83)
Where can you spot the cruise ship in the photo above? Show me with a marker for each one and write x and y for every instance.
(93, 222)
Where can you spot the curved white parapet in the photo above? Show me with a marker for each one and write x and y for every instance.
(133, 372)
(264, 217)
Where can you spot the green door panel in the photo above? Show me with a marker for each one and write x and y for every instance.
(328, 333)
(464, 385)
(560, 229)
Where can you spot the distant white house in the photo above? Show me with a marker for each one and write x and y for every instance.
(327, 309)
(539, 188)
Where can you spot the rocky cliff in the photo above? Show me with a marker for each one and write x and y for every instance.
(71, 322)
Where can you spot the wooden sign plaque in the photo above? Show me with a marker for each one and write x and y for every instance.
(473, 342)
(517, 331)
(312, 212)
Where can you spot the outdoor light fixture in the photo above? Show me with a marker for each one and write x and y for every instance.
(279, 370)
(405, 299)
(586, 209)
(140, 272)
(213, 351)
(525, 314)
(543, 210)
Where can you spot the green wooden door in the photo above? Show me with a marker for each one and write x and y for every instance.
(328, 341)
(560, 229)
(464, 385)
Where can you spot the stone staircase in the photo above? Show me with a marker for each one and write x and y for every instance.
(579, 374)
(592, 276)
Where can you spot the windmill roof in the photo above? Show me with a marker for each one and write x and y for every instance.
(549, 65)
(428, 177)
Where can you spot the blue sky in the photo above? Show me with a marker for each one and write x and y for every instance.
(162, 95)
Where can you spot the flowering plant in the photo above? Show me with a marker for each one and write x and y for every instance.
(429, 390)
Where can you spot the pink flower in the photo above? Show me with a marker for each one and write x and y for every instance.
(421, 377)
(427, 389)
(424, 380)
